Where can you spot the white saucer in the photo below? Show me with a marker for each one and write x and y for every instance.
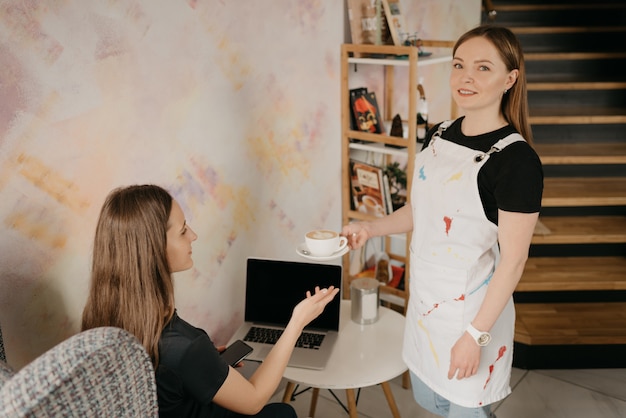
(302, 247)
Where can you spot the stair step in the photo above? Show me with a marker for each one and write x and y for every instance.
(573, 274)
(502, 6)
(596, 41)
(581, 153)
(568, 100)
(578, 134)
(570, 323)
(576, 115)
(582, 230)
(590, 15)
(546, 30)
(569, 83)
(584, 191)
(558, 56)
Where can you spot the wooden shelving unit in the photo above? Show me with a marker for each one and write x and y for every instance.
(389, 58)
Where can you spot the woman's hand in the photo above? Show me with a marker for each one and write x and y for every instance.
(464, 357)
(357, 233)
(313, 305)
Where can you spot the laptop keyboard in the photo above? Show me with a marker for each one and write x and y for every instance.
(310, 340)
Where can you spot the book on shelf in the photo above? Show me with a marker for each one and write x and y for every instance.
(366, 112)
(368, 189)
(354, 93)
(395, 21)
(387, 190)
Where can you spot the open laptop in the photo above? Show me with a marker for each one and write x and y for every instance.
(273, 289)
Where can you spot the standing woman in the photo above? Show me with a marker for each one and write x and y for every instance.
(475, 199)
(141, 239)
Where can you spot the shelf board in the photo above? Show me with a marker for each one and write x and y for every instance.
(399, 62)
(399, 152)
(391, 298)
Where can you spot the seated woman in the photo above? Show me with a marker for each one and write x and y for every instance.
(141, 239)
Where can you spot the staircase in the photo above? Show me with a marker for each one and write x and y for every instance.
(571, 300)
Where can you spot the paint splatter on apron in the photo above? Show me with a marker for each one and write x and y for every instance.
(453, 255)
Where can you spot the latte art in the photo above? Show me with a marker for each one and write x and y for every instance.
(322, 234)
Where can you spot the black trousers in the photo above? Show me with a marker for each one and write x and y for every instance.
(272, 410)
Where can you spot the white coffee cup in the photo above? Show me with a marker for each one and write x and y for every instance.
(324, 242)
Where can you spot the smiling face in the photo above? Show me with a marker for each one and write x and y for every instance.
(479, 77)
(179, 239)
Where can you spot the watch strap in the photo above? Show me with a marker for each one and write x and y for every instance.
(481, 338)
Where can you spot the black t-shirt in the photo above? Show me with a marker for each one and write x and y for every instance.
(190, 372)
(511, 180)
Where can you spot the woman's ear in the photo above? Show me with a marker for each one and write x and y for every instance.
(511, 79)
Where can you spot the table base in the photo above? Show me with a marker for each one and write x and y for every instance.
(352, 411)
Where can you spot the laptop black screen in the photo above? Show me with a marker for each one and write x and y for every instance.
(275, 287)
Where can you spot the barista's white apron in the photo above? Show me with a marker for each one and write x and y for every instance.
(453, 255)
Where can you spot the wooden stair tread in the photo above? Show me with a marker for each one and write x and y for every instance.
(584, 191)
(503, 7)
(582, 153)
(570, 323)
(582, 230)
(578, 115)
(545, 30)
(572, 83)
(573, 273)
(560, 56)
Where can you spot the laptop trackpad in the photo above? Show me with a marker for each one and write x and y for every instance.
(262, 352)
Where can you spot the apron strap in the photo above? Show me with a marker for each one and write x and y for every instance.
(498, 146)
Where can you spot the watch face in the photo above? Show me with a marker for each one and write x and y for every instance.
(484, 339)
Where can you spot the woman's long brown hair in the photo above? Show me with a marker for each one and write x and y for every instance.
(131, 285)
(514, 105)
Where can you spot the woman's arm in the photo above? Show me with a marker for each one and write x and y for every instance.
(398, 222)
(515, 231)
(249, 396)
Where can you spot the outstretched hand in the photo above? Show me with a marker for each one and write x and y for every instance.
(313, 305)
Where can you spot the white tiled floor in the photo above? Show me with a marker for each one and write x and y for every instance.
(597, 393)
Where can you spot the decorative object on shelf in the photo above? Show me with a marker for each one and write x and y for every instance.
(395, 20)
(422, 112)
(366, 112)
(383, 268)
(368, 24)
(397, 184)
(367, 184)
(414, 40)
(396, 127)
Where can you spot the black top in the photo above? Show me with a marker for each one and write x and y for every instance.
(190, 372)
(510, 180)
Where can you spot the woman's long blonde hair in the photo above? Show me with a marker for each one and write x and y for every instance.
(131, 285)
(514, 105)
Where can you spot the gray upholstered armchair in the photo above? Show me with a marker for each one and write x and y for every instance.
(100, 372)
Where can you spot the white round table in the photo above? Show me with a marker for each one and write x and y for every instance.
(364, 355)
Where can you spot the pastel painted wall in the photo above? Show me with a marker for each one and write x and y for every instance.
(233, 106)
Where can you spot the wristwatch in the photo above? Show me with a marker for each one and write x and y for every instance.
(481, 338)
